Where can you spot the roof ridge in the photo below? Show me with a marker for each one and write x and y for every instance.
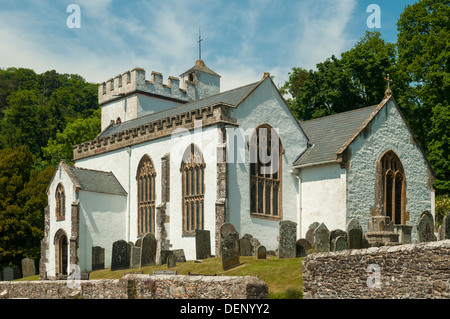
(340, 113)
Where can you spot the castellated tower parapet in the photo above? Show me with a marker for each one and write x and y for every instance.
(134, 82)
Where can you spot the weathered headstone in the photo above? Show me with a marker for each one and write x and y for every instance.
(148, 253)
(179, 256)
(98, 258)
(229, 245)
(354, 234)
(171, 261)
(245, 245)
(28, 267)
(164, 255)
(202, 244)
(446, 226)
(340, 243)
(287, 247)
(255, 244)
(135, 262)
(120, 258)
(335, 233)
(8, 274)
(425, 228)
(261, 252)
(321, 239)
(303, 246)
(309, 236)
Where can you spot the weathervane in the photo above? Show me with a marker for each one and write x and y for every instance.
(388, 92)
(199, 44)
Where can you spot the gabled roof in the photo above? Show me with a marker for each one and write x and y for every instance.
(230, 98)
(328, 134)
(200, 66)
(94, 181)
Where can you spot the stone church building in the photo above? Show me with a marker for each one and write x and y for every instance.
(176, 157)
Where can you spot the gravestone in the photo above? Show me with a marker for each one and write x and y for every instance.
(340, 243)
(229, 245)
(178, 254)
(303, 246)
(335, 234)
(321, 239)
(135, 262)
(425, 228)
(171, 261)
(202, 244)
(309, 236)
(28, 267)
(120, 258)
(245, 245)
(354, 234)
(148, 252)
(164, 255)
(255, 244)
(261, 252)
(446, 226)
(98, 258)
(287, 247)
(8, 274)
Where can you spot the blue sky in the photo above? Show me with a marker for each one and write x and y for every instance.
(241, 39)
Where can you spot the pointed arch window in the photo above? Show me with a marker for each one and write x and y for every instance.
(394, 187)
(145, 178)
(193, 190)
(60, 198)
(265, 173)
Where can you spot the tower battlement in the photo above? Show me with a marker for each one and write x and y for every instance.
(134, 81)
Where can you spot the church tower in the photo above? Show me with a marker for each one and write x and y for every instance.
(205, 80)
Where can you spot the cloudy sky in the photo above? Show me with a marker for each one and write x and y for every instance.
(241, 39)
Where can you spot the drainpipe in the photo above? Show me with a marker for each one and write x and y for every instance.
(128, 195)
(296, 172)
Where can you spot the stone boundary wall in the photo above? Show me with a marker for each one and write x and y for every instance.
(140, 287)
(405, 271)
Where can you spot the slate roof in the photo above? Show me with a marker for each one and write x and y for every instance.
(231, 98)
(328, 134)
(96, 181)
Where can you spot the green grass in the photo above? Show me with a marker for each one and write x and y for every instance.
(282, 276)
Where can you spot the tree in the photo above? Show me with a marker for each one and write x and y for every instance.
(353, 81)
(424, 56)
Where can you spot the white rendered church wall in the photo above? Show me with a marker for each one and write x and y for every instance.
(323, 197)
(264, 105)
(102, 221)
(387, 131)
(55, 225)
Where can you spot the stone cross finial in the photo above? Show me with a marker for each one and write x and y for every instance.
(388, 92)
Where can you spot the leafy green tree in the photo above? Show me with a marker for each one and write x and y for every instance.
(424, 56)
(79, 131)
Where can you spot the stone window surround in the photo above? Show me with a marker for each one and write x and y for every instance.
(146, 195)
(60, 200)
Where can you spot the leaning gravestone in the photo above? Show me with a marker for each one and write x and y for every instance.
(8, 274)
(425, 227)
(354, 234)
(321, 239)
(98, 258)
(261, 252)
(178, 254)
(120, 258)
(309, 236)
(340, 243)
(28, 267)
(245, 245)
(287, 247)
(202, 244)
(229, 245)
(303, 246)
(148, 253)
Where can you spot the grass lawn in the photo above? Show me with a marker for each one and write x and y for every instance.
(282, 276)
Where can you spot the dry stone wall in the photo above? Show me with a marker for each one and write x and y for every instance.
(403, 271)
(140, 287)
